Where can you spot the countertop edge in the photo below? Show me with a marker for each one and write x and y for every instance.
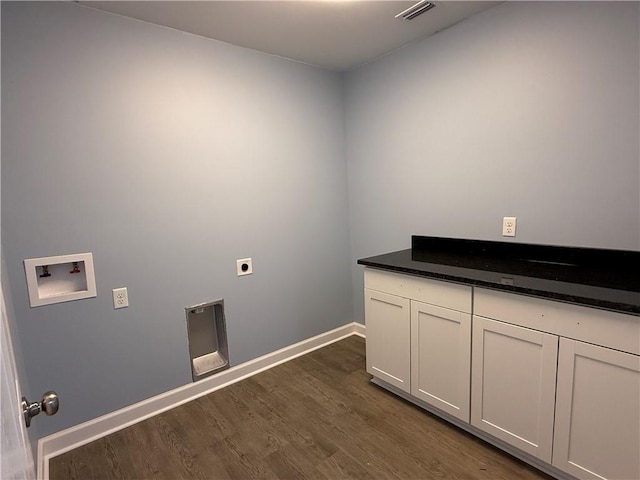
(616, 307)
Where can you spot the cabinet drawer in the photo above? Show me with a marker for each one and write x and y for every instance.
(600, 327)
(434, 292)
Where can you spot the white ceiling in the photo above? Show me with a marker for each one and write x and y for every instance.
(332, 34)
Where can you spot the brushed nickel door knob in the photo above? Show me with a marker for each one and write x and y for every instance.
(49, 405)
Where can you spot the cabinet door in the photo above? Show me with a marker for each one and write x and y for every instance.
(513, 385)
(441, 358)
(388, 338)
(597, 412)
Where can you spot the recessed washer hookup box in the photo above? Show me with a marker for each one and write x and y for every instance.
(60, 278)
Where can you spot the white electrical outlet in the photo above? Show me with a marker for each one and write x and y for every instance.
(509, 227)
(244, 266)
(120, 297)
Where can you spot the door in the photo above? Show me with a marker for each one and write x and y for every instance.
(597, 412)
(17, 458)
(388, 338)
(513, 384)
(441, 358)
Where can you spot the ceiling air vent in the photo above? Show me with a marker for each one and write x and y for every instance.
(417, 9)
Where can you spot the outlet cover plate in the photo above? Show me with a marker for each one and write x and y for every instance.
(120, 297)
(244, 266)
(509, 227)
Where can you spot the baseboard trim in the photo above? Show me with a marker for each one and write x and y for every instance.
(359, 329)
(78, 435)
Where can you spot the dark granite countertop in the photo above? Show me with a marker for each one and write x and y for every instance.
(606, 279)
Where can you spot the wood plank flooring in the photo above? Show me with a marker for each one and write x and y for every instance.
(316, 417)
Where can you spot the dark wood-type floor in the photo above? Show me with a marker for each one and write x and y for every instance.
(314, 417)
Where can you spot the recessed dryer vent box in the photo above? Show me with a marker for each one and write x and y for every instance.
(207, 332)
(62, 278)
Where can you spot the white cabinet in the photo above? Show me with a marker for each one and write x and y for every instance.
(559, 382)
(593, 431)
(388, 344)
(419, 338)
(513, 385)
(597, 412)
(440, 358)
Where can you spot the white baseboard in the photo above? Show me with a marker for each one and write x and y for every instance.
(78, 435)
(359, 329)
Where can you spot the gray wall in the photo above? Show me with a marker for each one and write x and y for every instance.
(529, 109)
(168, 156)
